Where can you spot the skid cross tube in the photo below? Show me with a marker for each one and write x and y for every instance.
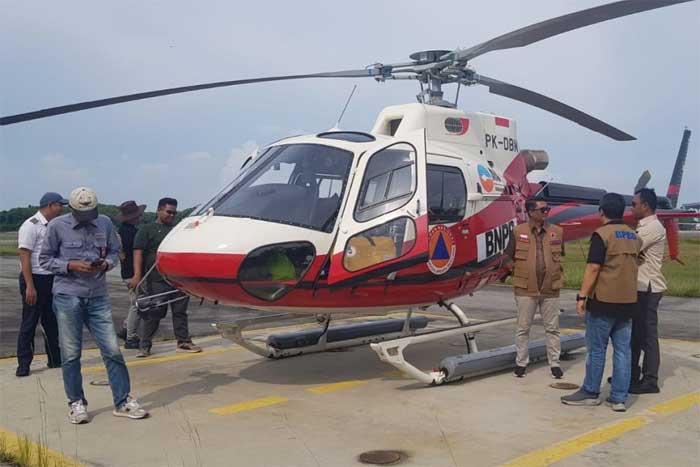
(234, 332)
(391, 352)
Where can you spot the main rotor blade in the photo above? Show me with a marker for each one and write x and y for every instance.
(64, 109)
(550, 105)
(552, 27)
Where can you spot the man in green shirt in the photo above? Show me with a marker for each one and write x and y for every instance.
(146, 245)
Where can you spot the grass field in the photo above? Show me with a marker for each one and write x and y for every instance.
(8, 243)
(683, 281)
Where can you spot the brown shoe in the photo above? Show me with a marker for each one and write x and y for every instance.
(188, 347)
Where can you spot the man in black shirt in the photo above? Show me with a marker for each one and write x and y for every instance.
(129, 215)
(607, 299)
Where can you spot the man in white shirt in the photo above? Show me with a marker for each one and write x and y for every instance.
(35, 284)
(650, 288)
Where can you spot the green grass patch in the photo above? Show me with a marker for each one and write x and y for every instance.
(682, 280)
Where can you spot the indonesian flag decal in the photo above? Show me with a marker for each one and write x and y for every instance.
(504, 122)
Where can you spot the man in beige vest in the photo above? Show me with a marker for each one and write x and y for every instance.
(536, 248)
(609, 295)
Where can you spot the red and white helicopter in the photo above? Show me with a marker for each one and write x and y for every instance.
(416, 212)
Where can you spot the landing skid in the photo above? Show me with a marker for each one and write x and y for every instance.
(305, 342)
(391, 352)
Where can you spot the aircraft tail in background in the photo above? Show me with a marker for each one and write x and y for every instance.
(674, 187)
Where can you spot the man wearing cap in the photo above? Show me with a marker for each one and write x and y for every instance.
(80, 247)
(129, 216)
(35, 285)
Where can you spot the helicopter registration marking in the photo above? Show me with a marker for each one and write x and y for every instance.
(503, 143)
(494, 241)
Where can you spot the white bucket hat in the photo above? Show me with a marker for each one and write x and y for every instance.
(83, 203)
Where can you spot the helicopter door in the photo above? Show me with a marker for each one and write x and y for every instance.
(384, 226)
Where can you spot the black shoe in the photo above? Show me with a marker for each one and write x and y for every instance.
(645, 387)
(22, 371)
(556, 372)
(519, 371)
(131, 344)
(54, 364)
(122, 334)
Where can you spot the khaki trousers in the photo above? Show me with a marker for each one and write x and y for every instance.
(549, 309)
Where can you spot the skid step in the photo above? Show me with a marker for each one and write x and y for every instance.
(295, 339)
(501, 358)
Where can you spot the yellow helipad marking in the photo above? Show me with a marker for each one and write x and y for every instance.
(548, 456)
(544, 457)
(248, 405)
(15, 445)
(567, 331)
(165, 359)
(677, 405)
(336, 386)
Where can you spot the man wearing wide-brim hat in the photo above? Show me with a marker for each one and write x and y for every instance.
(129, 216)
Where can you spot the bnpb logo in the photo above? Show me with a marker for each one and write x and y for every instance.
(441, 250)
(485, 177)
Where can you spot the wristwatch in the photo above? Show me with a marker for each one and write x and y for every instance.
(580, 298)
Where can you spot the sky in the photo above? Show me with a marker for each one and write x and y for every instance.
(639, 73)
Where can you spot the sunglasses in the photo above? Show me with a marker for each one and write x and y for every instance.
(543, 210)
(172, 213)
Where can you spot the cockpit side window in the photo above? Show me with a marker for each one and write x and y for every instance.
(389, 182)
(447, 195)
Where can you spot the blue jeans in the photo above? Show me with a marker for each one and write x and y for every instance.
(599, 329)
(96, 313)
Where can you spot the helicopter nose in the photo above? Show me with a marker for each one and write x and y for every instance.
(262, 262)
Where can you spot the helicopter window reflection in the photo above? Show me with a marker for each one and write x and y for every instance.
(447, 195)
(298, 184)
(379, 244)
(389, 182)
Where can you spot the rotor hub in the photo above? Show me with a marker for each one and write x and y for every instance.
(428, 56)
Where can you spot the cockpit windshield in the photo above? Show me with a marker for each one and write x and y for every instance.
(297, 184)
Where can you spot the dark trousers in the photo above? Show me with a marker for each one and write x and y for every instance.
(42, 311)
(151, 321)
(645, 337)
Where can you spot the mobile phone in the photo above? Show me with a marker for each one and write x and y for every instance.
(97, 262)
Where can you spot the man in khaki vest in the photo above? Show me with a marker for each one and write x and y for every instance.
(609, 294)
(536, 248)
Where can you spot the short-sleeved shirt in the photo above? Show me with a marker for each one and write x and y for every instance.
(68, 240)
(30, 237)
(127, 232)
(148, 239)
(596, 255)
(653, 236)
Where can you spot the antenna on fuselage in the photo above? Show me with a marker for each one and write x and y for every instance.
(337, 125)
(543, 187)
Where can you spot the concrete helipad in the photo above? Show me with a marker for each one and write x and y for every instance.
(227, 407)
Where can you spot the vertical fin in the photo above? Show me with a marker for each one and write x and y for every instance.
(677, 177)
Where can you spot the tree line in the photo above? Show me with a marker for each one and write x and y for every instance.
(11, 219)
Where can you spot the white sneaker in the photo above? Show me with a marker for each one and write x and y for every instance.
(131, 409)
(616, 406)
(78, 413)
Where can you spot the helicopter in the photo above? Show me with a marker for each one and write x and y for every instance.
(418, 211)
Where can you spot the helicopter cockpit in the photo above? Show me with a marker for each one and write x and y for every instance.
(294, 184)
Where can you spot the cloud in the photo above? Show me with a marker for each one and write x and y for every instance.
(235, 160)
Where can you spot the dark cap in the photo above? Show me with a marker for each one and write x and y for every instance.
(52, 197)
